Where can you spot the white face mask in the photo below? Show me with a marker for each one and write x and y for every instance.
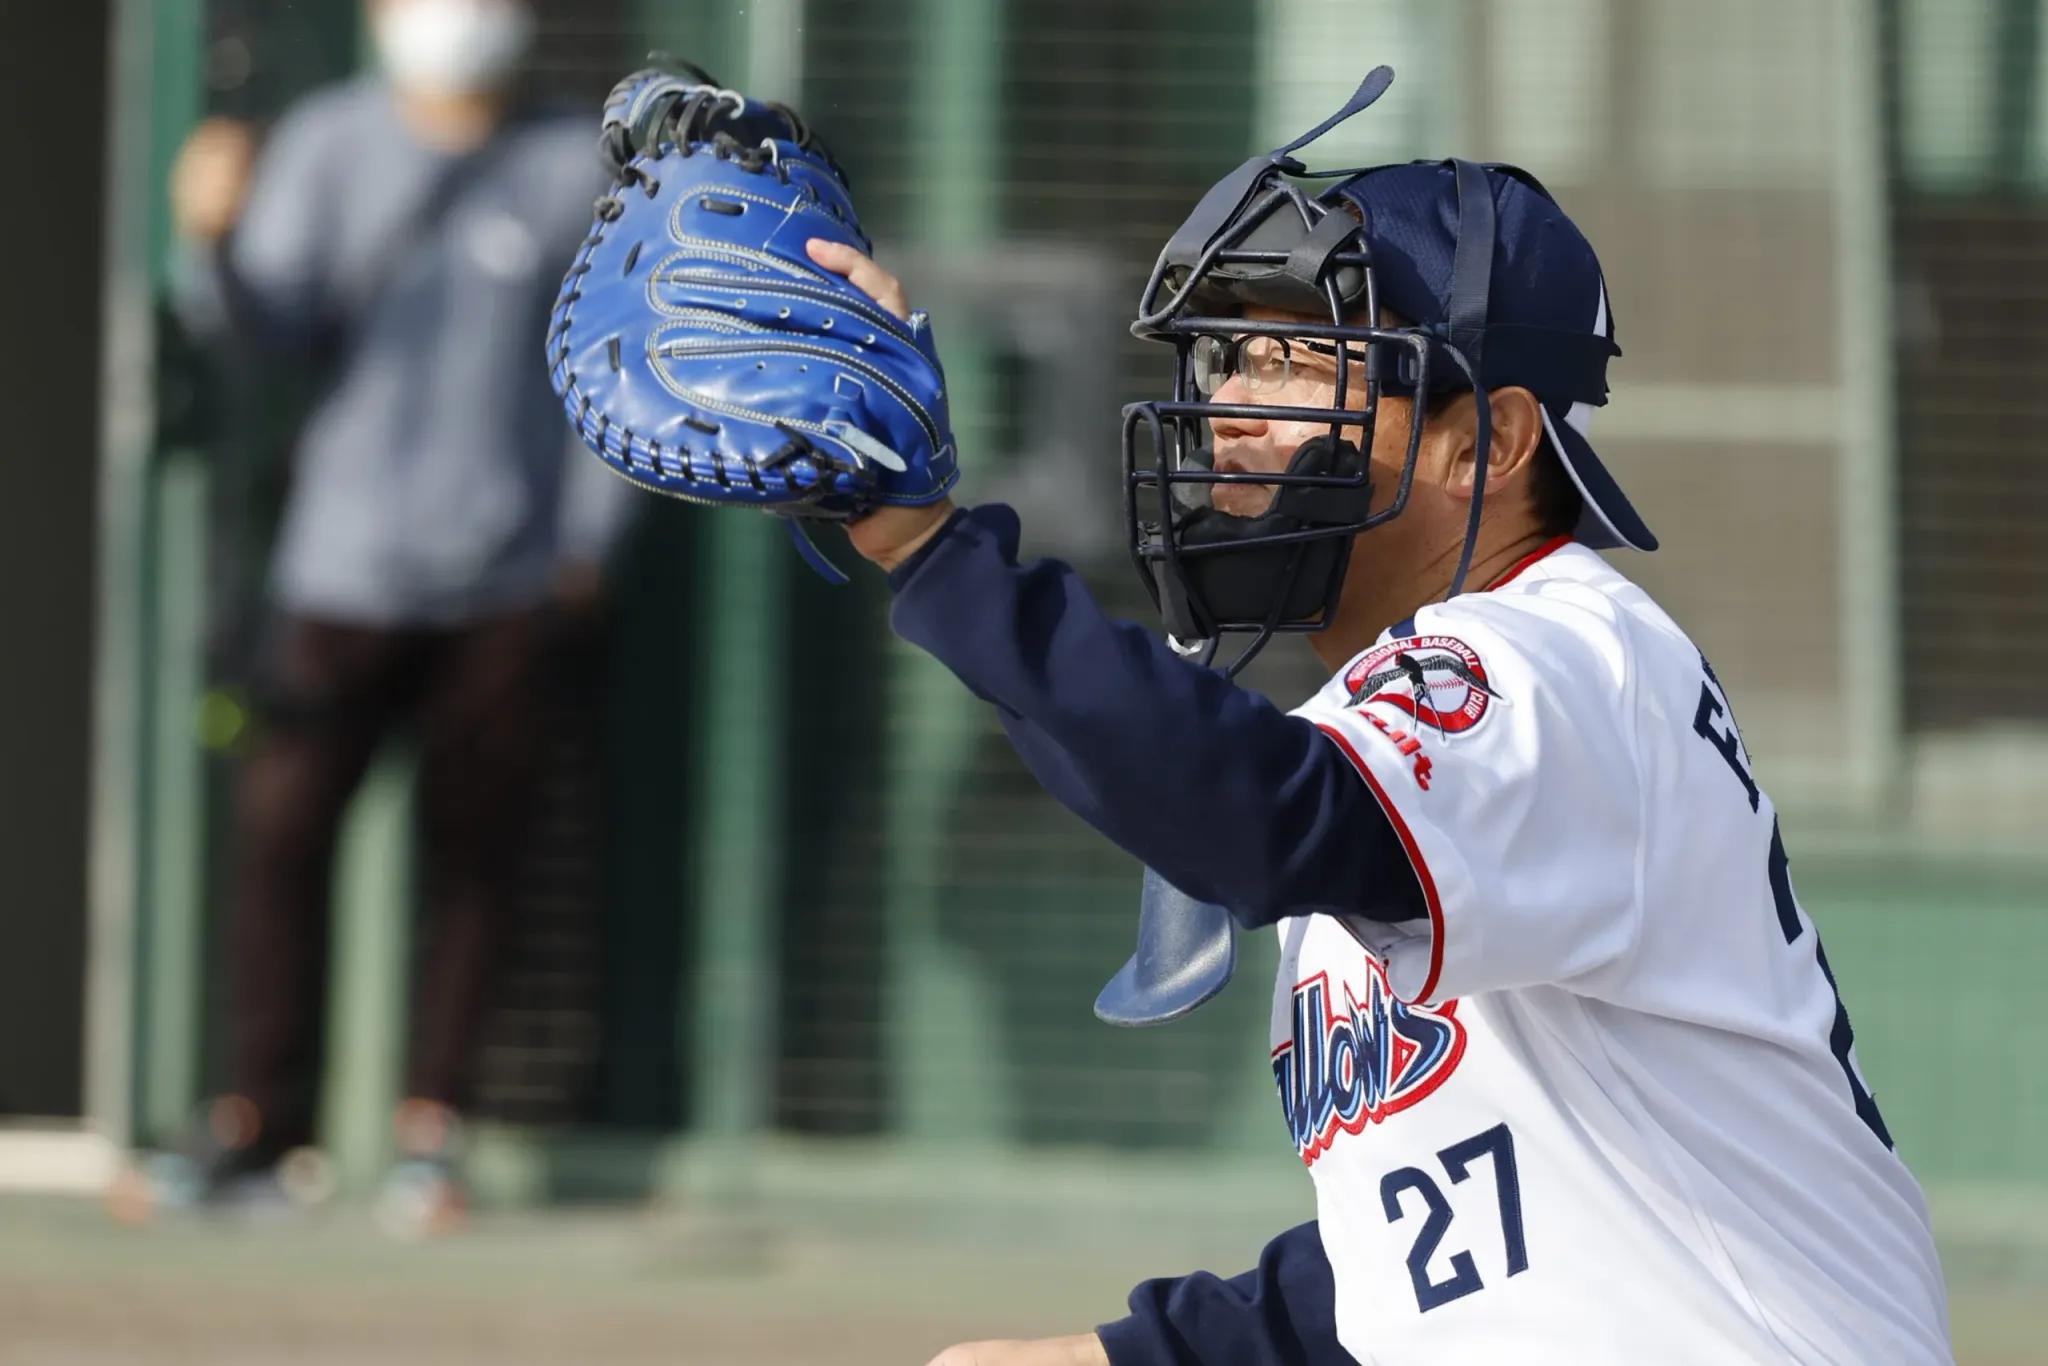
(451, 46)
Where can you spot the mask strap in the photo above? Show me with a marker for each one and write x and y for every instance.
(1371, 88)
(1196, 238)
(1311, 256)
(1205, 249)
(1471, 287)
(1471, 265)
(1482, 411)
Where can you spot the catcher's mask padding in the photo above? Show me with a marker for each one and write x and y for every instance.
(1235, 568)
(1294, 282)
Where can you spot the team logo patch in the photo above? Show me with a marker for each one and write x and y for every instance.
(1357, 1059)
(1438, 680)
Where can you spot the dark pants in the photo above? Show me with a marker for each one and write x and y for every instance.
(330, 694)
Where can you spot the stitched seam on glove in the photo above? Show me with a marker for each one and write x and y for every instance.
(800, 204)
(666, 273)
(662, 351)
(769, 416)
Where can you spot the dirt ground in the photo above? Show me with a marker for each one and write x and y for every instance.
(614, 1286)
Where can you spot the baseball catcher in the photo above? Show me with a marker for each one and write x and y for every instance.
(1552, 1033)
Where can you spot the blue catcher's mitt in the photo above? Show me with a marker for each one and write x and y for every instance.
(701, 353)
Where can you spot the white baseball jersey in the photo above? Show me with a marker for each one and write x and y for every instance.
(1602, 1105)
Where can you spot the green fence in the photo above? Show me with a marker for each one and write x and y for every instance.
(824, 926)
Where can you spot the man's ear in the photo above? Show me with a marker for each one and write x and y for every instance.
(1517, 436)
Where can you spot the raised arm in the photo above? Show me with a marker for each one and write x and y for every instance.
(1227, 797)
(1230, 799)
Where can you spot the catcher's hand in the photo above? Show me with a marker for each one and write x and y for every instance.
(886, 536)
(703, 353)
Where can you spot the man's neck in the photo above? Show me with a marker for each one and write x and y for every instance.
(1361, 619)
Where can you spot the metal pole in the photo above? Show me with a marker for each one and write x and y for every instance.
(117, 819)
(148, 781)
(737, 804)
(941, 1040)
(1866, 459)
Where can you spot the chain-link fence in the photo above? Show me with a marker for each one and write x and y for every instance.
(1823, 229)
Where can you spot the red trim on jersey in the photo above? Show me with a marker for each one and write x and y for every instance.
(1554, 543)
(1421, 865)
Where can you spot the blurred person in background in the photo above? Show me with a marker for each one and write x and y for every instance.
(402, 235)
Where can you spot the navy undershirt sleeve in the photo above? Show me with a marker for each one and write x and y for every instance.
(1227, 797)
(1283, 1313)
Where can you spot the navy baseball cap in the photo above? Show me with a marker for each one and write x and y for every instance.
(1549, 327)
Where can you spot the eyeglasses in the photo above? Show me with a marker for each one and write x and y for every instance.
(1265, 363)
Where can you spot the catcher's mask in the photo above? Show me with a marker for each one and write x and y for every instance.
(1258, 237)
